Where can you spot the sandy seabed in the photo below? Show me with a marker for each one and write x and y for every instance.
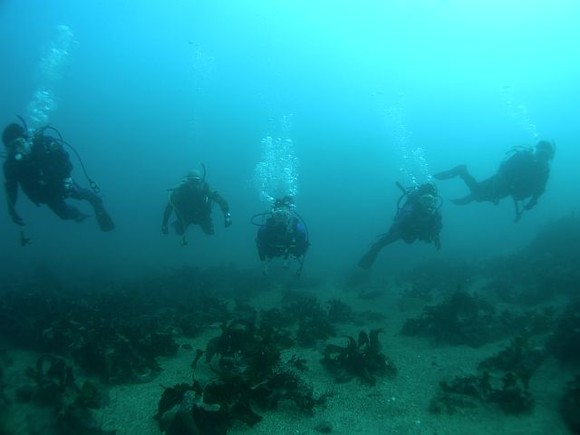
(392, 406)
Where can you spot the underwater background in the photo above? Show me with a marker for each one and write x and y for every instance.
(369, 93)
(334, 102)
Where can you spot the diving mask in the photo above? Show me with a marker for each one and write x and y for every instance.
(282, 216)
(22, 148)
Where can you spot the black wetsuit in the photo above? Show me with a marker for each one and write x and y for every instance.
(192, 202)
(44, 175)
(412, 222)
(282, 238)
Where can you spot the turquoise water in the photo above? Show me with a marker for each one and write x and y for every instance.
(378, 92)
(333, 101)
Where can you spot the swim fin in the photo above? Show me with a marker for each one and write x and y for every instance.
(463, 201)
(451, 173)
(104, 219)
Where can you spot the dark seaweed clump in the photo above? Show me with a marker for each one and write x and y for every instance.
(314, 321)
(182, 410)
(4, 404)
(466, 319)
(53, 387)
(570, 405)
(249, 376)
(504, 381)
(512, 395)
(118, 334)
(518, 357)
(104, 334)
(112, 334)
(565, 341)
(360, 358)
(461, 318)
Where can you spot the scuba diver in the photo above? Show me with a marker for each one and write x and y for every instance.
(192, 201)
(282, 233)
(523, 174)
(418, 218)
(40, 166)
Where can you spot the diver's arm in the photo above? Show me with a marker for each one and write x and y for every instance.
(535, 196)
(392, 235)
(539, 191)
(166, 215)
(223, 204)
(11, 188)
(214, 196)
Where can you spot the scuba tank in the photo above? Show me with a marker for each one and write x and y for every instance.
(40, 133)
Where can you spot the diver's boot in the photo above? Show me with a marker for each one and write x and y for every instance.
(103, 218)
(458, 171)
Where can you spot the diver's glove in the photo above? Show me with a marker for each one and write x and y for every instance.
(227, 219)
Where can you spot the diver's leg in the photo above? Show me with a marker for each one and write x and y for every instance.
(285, 256)
(470, 181)
(178, 227)
(479, 191)
(103, 218)
(265, 264)
(300, 266)
(77, 192)
(264, 252)
(261, 244)
(66, 211)
(369, 258)
(207, 226)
